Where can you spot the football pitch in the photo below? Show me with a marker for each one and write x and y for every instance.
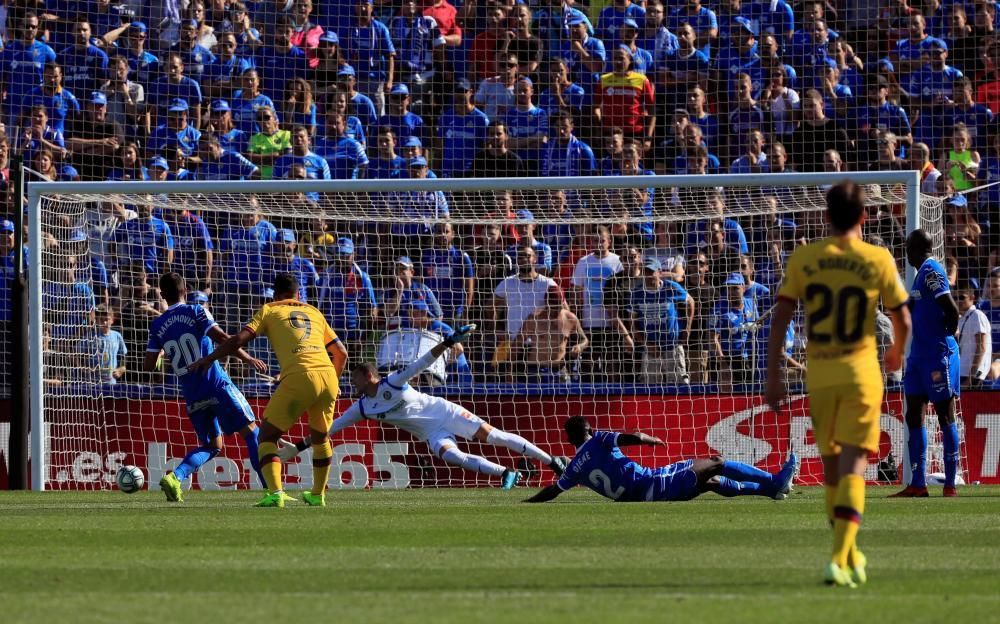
(479, 556)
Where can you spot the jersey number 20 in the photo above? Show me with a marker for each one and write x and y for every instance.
(601, 480)
(182, 353)
(842, 300)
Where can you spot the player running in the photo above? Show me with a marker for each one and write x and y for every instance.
(311, 359)
(431, 419)
(932, 366)
(840, 279)
(601, 466)
(214, 404)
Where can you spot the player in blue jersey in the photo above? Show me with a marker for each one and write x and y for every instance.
(601, 466)
(185, 333)
(932, 368)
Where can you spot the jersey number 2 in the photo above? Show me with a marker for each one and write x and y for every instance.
(843, 299)
(182, 352)
(601, 480)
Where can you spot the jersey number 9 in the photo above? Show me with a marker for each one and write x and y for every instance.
(843, 300)
(299, 320)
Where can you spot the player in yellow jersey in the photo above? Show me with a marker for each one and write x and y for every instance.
(839, 279)
(311, 359)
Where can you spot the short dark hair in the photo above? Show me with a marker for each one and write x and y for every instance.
(364, 367)
(845, 205)
(285, 283)
(576, 428)
(171, 287)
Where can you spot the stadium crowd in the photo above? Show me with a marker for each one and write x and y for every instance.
(356, 89)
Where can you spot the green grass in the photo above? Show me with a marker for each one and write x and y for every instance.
(477, 556)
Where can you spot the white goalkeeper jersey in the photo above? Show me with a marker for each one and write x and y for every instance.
(398, 403)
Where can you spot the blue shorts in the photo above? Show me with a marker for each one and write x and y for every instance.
(225, 412)
(933, 376)
(676, 482)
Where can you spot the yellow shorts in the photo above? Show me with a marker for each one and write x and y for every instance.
(846, 414)
(312, 391)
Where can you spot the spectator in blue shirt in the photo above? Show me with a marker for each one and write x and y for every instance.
(753, 160)
(418, 39)
(103, 351)
(176, 86)
(462, 131)
(281, 61)
(684, 68)
(58, 101)
(909, 53)
(194, 249)
(399, 117)
(143, 64)
(145, 240)
(702, 19)
(976, 117)
(283, 258)
(405, 290)
(386, 164)
(774, 17)
(642, 59)
(218, 164)
(298, 105)
(732, 340)
(315, 165)
(347, 296)
(359, 104)
(345, 157)
(881, 114)
(612, 17)
(528, 126)
(525, 229)
(416, 209)
(175, 133)
(39, 134)
(653, 306)
(735, 237)
(220, 121)
(449, 272)
(367, 46)
(242, 246)
(222, 75)
(196, 57)
(562, 93)
(248, 102)
(566, 155)
(585, 56)
(338, 101)
(129, 165)
(85, 66)
(22, 63)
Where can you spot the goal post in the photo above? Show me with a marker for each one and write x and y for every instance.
(83, 424)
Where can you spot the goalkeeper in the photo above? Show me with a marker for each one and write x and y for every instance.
(430, 419)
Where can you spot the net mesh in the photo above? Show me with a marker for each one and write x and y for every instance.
(557, 280)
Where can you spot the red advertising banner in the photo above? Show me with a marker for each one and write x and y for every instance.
(96, 437)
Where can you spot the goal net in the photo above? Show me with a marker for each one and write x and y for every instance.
(641, 302)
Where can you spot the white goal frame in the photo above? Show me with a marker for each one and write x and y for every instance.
(909, 180)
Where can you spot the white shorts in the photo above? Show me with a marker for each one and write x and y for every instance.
(455, 420)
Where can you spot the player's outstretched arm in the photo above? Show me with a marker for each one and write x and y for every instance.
(338, 355)
(218, 336)
(775, 391)
(226, 349)
(639, 439)
(545, 494)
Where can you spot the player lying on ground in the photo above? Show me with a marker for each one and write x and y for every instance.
(214, 404)
(932, 367)
(311, 359)
(431, 419)
(600, 465)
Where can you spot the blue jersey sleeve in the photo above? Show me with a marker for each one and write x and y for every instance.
(607, 439)
(204, 319)
(154, 344)
(574, 472)
(936, 279)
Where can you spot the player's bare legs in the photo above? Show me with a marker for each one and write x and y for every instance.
(489, 434)
(270, 465)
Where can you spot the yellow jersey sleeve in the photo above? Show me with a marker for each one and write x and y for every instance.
(792, 287)
(892, 289)
(258, 324)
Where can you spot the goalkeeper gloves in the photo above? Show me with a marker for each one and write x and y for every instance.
(459, 335)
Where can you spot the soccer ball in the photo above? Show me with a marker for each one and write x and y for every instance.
(130, 479)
